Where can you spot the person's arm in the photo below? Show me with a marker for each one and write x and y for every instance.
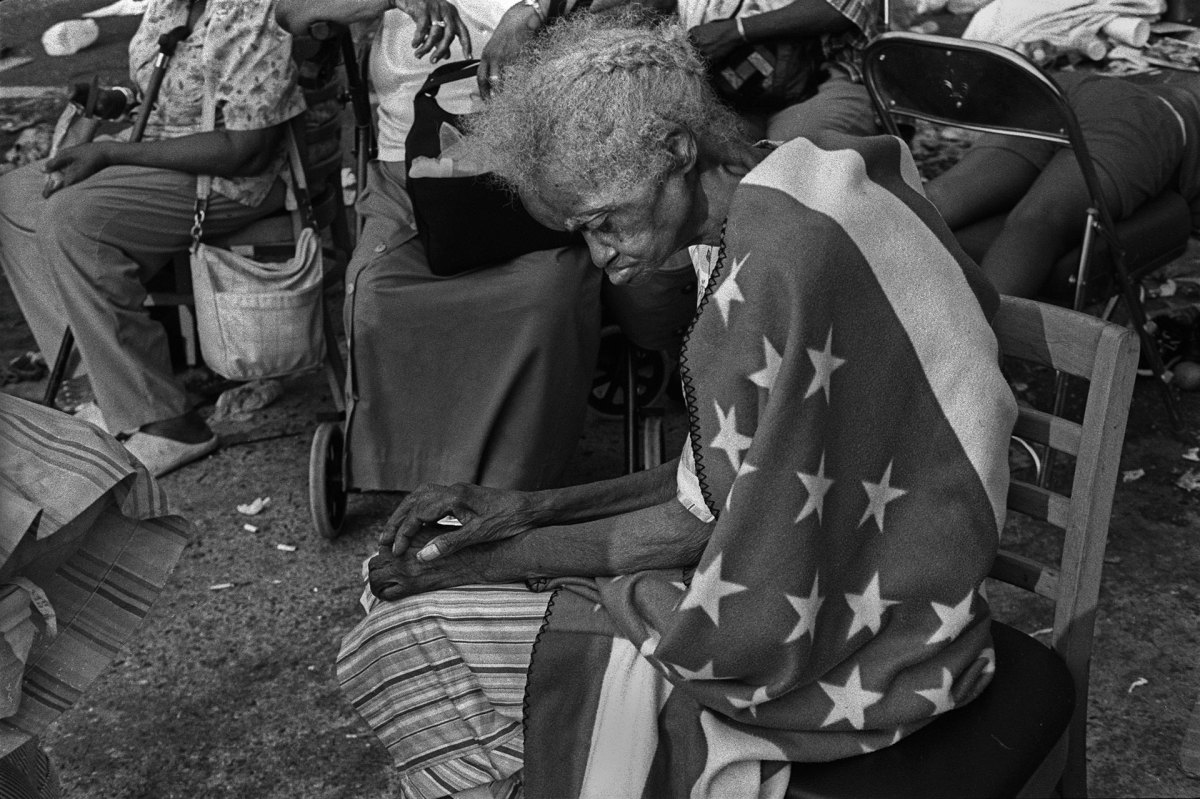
(491, 514)
(801, 18)
(663, 536)
(297, 16)
(227, 153)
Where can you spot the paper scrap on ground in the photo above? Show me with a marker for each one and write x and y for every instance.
(286, 548)
(1189, 480)
(220, 586)
(1133, 474)
(249, 528)
(1192, 454)
(1138, 683)
(254, 508)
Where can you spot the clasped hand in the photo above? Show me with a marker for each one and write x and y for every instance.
(416, 554)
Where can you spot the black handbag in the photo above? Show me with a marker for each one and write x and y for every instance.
(466, 222)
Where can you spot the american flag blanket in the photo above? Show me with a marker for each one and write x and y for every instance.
(849, 433)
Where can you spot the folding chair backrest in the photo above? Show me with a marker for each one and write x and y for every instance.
(970, 84)
(1106, 356)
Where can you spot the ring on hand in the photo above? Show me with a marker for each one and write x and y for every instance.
(438, 23)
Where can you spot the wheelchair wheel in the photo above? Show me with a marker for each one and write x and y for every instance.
(608, 386)
(326, 484)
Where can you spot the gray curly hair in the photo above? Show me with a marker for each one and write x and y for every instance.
(589, 105)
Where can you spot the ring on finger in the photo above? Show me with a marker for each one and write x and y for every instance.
(438, 23)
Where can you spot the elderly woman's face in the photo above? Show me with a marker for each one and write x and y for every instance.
(631, 233)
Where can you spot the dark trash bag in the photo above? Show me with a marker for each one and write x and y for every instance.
(466, 222)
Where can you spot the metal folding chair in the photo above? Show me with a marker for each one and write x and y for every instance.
(991, 89)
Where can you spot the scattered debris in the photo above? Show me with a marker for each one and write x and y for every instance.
(1112, 560)
(1192, 454)
(10, 61)
(1138, 683)
(287, 548)
(1189, 480)
(1132, 475)
(220, 586)
(249, 528)
(238, 404)
(254, 508)
(24, 368)
(32, 145)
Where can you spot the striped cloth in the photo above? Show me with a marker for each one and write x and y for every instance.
(82, 520)
(27, 773)
(849, 434)
(440, 679)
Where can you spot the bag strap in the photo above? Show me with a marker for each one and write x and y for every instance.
(303, 216)
(208, 122)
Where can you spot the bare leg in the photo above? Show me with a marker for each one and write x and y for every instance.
(983, 184)
(1045, 225)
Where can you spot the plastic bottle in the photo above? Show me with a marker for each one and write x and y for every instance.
(70, 36)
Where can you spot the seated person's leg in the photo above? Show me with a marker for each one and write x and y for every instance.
(839, 105)
(1044, 226)
(21, 206)
(101, 240)
(481, 377)
(460, 726)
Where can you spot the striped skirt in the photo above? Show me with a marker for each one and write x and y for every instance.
(440, 679)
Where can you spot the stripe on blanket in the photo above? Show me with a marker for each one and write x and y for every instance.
(931, 297)
(624, 735)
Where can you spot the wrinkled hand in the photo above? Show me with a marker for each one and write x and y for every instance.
(392, 577)
(487, 515)
(74, 165)
(716, 40)
(438, 24)
(515, 29)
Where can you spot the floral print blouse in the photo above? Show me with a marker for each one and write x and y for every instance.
(237, 50)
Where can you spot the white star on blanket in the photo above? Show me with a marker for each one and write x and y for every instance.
(807, 608)
(878, 496)
(708, 589)
(765, 377)
(850, 701)
(824, 362)
(940, 696)
(729, 293)
(868, 608)
(954, 618)
(729, 439)
(816, 485)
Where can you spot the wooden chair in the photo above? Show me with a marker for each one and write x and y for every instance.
(1027, 731)
(991, 89)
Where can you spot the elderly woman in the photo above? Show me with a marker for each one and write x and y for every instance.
(804, 582)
